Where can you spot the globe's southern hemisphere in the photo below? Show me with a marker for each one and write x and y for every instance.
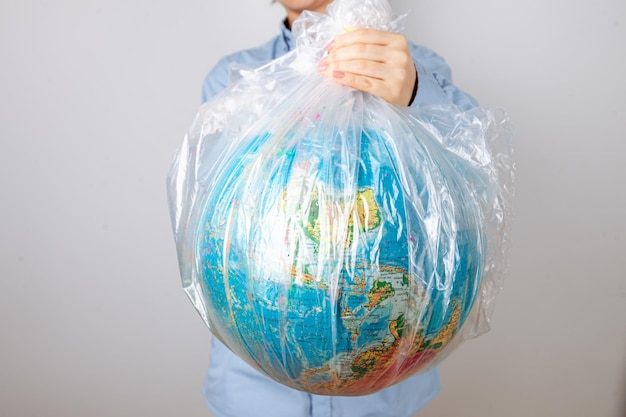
(320, 269)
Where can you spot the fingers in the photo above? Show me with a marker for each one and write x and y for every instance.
(356, 64)
(358, 51)
(373, 61)
(398, 93)
(369, 45)
(375, 86)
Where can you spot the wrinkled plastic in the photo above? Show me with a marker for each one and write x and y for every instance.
(338, 243)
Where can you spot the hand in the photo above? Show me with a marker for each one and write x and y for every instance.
(373, 61)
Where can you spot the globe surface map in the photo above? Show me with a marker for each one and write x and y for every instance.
(322, 268)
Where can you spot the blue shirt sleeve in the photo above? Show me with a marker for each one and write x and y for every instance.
(434, 85)
(216, 80)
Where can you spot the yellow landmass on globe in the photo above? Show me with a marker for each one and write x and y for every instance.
(363, 217)
(445, 334)
(381, 290)
(303, 278)
(367, 211)
(397, 270)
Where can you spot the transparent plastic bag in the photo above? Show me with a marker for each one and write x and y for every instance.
(335, 242)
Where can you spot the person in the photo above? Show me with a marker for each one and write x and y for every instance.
(381, 63)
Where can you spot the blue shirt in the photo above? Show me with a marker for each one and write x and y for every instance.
(233, 388)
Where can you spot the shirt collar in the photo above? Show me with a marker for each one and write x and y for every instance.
(286, 35)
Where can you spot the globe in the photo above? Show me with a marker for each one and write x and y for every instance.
(335, 263)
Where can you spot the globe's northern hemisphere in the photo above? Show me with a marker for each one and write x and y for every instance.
(334, 266)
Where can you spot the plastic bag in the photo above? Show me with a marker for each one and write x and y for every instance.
(335, 242)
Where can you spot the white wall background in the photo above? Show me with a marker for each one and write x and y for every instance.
(96, 95)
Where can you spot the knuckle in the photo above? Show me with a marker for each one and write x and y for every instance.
(394, 92)
(401, 39)
(402, 58)
(366, 83)
(361, 65)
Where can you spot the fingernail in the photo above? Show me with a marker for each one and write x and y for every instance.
(330, 46)
(322, 65)
(338, 74)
